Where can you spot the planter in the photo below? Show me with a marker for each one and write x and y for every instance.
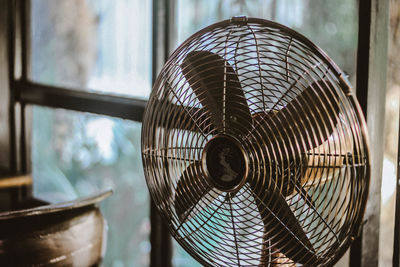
(66, 234)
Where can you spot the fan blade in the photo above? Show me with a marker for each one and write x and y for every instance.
(180, 117)
(191, 188)
(279, 260)
(218, 88)
(289, 175)
(281, 226)
(324, 162)
(311, 110)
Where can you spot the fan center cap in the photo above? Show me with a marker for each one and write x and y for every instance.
(225, 163)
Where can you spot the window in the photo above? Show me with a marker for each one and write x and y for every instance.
(91, 65)
(332, 25)
(103, 47)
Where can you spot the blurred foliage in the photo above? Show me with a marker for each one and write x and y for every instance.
(63, 53)
(333, 25)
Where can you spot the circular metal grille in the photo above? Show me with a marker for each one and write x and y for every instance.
(254, 148)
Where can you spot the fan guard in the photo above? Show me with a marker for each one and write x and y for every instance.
(254, 148)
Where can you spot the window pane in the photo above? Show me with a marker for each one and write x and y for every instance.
(332, 25)
(99, 45)
(75, 154)
(181, 258)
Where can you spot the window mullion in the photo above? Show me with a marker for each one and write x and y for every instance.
(57, 97)
(161, 245)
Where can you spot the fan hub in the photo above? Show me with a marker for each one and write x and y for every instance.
(225, 163)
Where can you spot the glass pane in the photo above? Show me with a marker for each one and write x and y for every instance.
(99, 45)
(181, 258)
(75, 154)
(332, 25)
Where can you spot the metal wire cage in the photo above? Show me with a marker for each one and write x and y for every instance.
(255, 149)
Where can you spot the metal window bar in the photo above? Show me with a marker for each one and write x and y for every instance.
(24, 17)
(364, 18)
(161, 249)
(57, 97)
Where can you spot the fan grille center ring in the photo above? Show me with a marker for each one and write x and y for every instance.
(225, 163)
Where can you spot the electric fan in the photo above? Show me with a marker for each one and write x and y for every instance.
(255, 149)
